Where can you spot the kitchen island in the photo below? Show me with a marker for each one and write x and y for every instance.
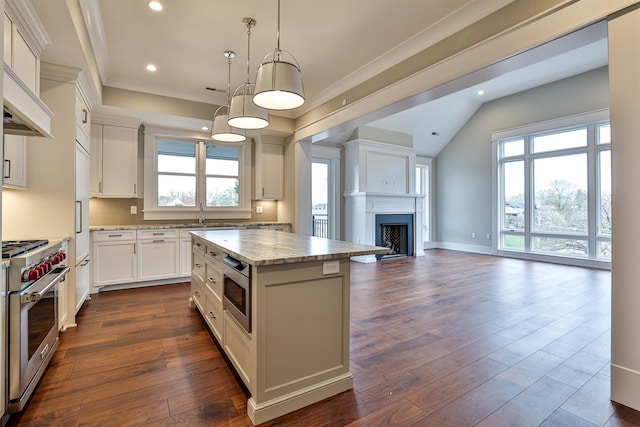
(295, 350)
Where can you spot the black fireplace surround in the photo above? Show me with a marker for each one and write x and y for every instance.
(401, 228)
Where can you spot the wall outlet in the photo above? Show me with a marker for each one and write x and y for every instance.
(258, 209)
(134, 210)
(331, 267)
(473, 235)
(488, 236)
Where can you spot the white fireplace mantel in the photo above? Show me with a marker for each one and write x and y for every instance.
(380, 179)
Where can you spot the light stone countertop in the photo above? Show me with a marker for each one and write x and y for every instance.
(269, 247)
(181, 225)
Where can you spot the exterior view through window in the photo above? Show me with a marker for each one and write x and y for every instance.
(555, 192)
(179, 177)
(320, 197)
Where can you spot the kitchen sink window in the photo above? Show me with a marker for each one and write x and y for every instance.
(192, 179)
(554, 190)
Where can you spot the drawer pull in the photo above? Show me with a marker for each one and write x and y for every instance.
(158, 234)
(213, 254)
(197, 293)
(212, 280)
(213, 316)
(198, 265)
(158, 241)
(115, 235)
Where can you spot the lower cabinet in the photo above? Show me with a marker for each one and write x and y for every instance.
(114, 257)
(158, 254)
(83, 279)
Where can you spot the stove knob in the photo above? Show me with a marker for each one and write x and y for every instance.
(55, 259)
(40, 269)
(63, 255)
(49, 265)
(46, 267)
(34, 274)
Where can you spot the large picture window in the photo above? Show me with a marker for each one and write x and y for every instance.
(554, 192)
(182, 174)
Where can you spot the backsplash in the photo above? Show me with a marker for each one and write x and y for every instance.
(103, 211)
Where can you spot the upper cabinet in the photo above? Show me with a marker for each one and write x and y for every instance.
(14, 169)
(24, 40)
(83, 124)
(268, 168)
(114, 160)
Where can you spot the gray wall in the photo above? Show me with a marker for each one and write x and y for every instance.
(463, 176)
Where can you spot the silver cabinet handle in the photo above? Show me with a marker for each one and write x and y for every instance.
(158, 241)
(85, 262)
(213, 316)
(197, 265)
(197, 293)
(115, 235)
(212, 280)
(7, 170)
(84, 115)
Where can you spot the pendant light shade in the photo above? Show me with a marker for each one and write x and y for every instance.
(243, 113)
(279, 81)
(220, 130)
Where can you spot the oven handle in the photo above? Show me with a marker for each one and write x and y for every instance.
(30, 297)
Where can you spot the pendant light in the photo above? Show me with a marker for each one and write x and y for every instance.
(243, 113)
(220, 130)
(279, 82)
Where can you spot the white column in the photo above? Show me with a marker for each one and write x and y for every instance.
(624, 87)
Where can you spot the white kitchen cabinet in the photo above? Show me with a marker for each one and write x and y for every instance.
(83, 125)
(268, 168)
(114, 151)
(185, 253)
(14, 171)
(83, 281)
(3, 339)
(158, 254)
(82, 203)
(114, 257)
(17, 53)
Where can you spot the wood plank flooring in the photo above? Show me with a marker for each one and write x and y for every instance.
(448, 339)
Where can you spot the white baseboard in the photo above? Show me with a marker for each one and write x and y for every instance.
(477, 249)
(625, 384)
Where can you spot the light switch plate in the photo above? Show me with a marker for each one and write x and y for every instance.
(258, 209)
(331, 267)
(134, 210)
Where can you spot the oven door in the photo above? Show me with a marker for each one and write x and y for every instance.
(237, 296)
(33, 335)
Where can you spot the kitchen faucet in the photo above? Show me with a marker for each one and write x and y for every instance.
(201, 218)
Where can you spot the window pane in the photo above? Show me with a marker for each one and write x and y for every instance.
(604, 226)
(560, 194)
(176, 190)
(510, 241)
(513, 148)
(513, 196)
(604, 134)
(560, 140)
(563, 246)
(223, 191)
(178, 157)
(604, 250)
(222, 160)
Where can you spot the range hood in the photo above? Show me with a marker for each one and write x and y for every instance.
(24, 112)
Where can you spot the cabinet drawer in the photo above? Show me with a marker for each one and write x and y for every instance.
(214, 280)
(199, 297)
(214, 255)
(114, 235)
(213, 315)
(198, 246)
(198, 268)
(158, 234)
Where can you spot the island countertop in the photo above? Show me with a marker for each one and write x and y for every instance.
(269, 247)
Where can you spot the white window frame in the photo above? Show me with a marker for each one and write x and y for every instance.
(559, 124)
(426, 175)
(154, 212)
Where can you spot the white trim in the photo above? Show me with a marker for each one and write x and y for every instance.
(476, 249)
(553, 124)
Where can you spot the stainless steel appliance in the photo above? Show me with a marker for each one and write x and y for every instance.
(237, 290)
(36, 267)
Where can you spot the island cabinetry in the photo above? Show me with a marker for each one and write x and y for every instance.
(158, 254)
(114, 257)
(297, 352)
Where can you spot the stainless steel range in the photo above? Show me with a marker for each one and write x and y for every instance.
(36, 267)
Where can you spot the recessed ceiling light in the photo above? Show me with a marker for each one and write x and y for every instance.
(481, 92)
(151, 67)
(155, 5)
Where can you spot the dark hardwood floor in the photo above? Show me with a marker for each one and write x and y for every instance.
(448, 339)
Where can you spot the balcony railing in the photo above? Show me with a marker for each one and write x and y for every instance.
(320, 226)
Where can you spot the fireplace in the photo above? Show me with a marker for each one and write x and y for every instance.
(394, 231)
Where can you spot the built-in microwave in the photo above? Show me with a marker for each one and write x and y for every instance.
(237, 290)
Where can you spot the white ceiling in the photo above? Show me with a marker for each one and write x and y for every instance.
(337, 43)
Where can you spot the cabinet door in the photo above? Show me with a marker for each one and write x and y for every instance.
(158, 259)
(15, 162)
(95, 169)
(272, 171)
(82, 122)
(82, 283)
(119, 161)
(114, 262)
(185, 257)
(82, 203)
